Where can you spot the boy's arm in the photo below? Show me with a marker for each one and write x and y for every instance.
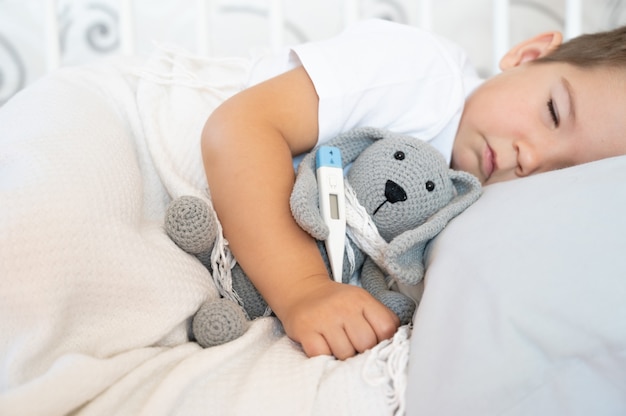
(247, 147)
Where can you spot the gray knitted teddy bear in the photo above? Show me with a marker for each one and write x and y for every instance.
(405, 195)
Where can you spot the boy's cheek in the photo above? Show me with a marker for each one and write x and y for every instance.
(465, 160)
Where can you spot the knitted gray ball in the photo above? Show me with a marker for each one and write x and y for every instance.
(218, 322)
(190, 224)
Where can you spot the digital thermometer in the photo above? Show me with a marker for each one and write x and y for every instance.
(332, 204)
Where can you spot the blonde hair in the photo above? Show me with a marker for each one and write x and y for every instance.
(592, 50)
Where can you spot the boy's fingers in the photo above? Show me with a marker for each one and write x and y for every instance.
(384, 322)
(362, 336)
(315, 344)
(340, 344)
(336, 344)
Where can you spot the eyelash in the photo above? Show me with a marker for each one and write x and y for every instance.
(553, 113)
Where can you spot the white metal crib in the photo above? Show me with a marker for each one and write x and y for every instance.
(207, 12)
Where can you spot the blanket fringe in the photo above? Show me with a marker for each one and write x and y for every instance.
(387, 366)
(361, 228)
(222, 263)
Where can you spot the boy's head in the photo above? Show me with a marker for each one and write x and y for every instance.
(602, 49)
(553, 105)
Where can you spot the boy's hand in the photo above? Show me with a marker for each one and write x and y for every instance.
(329, 318)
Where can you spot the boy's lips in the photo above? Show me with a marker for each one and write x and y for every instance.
(488, 161)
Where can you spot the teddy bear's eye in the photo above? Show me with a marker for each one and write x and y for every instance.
(430, 186)
(399, 155)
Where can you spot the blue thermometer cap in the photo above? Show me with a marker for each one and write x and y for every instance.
(328, 156)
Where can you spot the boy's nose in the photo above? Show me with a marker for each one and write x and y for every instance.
(530, 157)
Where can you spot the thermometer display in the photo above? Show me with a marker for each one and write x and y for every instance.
(333, 200)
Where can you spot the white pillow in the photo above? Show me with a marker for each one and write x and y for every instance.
(524, 310)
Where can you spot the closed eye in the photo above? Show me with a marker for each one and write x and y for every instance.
(554, 113)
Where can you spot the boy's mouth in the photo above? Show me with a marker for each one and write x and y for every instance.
(488, 161)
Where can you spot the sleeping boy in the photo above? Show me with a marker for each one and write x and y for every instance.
(553, 105)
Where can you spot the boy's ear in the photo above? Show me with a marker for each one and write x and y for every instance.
(531, 49)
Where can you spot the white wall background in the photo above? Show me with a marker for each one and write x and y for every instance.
(89, 29)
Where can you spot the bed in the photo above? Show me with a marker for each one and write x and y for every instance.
(523, 311)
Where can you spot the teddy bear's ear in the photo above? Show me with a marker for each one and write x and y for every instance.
(304, 197)
(353, 142)
(404, 257)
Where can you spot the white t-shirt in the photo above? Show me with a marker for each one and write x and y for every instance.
(383, 74)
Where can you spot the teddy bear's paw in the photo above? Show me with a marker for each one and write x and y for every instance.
(218, 321)
(304, 200)
(401, 305)
(190, 223)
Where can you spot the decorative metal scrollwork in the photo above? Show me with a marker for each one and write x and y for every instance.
(98, 26)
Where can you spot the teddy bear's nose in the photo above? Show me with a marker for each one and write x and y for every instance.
(394, 192)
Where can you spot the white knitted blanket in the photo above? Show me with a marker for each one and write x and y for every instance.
(95, 299)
